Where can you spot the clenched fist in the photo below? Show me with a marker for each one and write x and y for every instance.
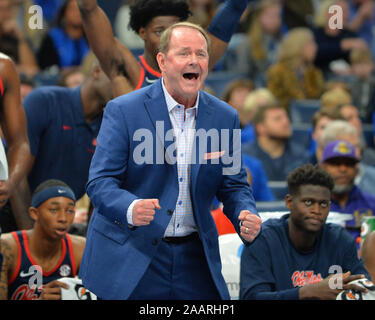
(144, 211)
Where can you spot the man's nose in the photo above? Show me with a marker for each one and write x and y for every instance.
(315, 208)
(343, 166)
(62, 216)
(193, 58)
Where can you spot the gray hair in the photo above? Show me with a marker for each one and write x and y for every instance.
(335, 129)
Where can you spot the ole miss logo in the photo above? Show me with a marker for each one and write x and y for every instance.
(301, 278)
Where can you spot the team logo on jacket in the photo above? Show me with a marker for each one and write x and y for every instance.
(65, 270)
(302, 278)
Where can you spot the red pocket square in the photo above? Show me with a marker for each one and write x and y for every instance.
(213, 155)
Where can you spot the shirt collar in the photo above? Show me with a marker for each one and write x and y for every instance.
(172, 103)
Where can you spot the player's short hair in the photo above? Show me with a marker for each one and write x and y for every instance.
(308, 174)
(143, 11)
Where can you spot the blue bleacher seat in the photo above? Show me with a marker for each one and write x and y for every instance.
(278, 188)
(271, 206)
(302, 111)
(301, 134)
(368, 133)
(219, 80)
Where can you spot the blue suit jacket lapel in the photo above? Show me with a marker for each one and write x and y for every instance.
(158, 111)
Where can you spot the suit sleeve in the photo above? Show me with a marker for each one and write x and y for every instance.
(109, 165)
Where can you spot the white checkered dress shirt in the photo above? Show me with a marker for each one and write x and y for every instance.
(182, 222)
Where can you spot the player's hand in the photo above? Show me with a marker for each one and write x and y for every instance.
(52, 291)
(328, 289)
(144, 211)
(250, 225)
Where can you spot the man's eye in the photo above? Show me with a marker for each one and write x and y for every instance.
(308, 202)
(324, 204)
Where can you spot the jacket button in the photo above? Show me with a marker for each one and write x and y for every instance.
(170, 212)
(155, 242)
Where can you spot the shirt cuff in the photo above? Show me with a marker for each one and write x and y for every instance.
(129, 213)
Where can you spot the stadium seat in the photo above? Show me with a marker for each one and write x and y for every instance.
(368, 133)
(271, 206)
(302, 111)
(278, 188)
(219, 80)
(302, 134)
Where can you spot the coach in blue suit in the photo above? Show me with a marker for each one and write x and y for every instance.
(152, 182)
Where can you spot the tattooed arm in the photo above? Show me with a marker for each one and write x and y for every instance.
(9, 251)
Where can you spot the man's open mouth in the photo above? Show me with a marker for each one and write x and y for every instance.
(191, 75)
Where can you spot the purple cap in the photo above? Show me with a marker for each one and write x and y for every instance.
(339, 149)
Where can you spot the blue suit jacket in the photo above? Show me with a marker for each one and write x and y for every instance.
(116, 256)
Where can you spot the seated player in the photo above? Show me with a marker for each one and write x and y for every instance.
(34, 259)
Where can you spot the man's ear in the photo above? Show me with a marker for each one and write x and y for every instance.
(33, 213)
(288, 201)
(142, 33)
(160, 58)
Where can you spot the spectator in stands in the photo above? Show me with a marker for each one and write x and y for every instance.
(47, 245)
(292, 258)
(254, 100)
(13, 42)
(343, 130)
(362, 86)
(258, 49)
(273, 147)
(294, 76)
(368, 253)
(64, 45)
(235, 95)
(71, 77)
(350, 113)
(333, 43)
(340, 160)
(66, 121)
(14, 128)
(335, 96)
(319, 121)
(149, 18)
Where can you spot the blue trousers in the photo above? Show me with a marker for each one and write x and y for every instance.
(177, 272)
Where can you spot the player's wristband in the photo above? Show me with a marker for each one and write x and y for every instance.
(225, 22)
